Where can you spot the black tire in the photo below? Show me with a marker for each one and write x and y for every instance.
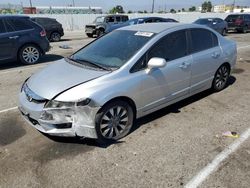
(55, 37)
(26, 58)
(107, 124)
(221, 78)
(99, 32)
(89, 35)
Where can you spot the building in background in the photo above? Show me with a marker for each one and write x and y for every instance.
(219, 8)
(68, 10)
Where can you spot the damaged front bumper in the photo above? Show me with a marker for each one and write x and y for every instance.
(69, 122)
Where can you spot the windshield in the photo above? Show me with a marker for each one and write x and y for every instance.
(203, 21)
(100, 19)
(114, 49)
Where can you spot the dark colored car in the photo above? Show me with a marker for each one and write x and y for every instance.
(217, 24)
(139, 21)
(53, 28)
(102, 23)
(21, 39)
(238, 22)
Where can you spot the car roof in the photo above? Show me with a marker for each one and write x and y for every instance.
(156, 27)
(13, 16)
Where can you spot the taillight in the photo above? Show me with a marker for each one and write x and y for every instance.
(238, 21)
(43, 33)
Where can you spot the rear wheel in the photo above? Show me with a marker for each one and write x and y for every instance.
(221, 78)
(99, 32)
(29, 54)
(55, 37)
(89, 35)
(114, 121)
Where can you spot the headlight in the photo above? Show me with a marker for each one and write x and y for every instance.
(59, 104)
(24, 84)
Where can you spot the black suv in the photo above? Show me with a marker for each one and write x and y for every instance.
(101, 23)
(21, 39)
(238, 22)
(52, 27)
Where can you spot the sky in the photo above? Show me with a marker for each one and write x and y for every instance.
(127, 4)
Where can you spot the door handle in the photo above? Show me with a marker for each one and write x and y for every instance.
(215, 55)
(184, 65)
(14, 37)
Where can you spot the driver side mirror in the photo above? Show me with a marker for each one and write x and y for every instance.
(156, 62)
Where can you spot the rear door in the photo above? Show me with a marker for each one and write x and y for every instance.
(7, 42)
(206, 55)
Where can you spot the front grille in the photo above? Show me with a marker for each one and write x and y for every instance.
(31, 96)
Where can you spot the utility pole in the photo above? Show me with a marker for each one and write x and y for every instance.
(153, 6)
(233, 6)
(31, 4)
(73, 1)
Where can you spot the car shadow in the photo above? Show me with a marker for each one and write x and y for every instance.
(174, 108)
(44, 59)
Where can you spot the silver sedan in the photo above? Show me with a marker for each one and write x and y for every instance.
(101, 89)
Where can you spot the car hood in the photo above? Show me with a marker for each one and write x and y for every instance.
(59, 77)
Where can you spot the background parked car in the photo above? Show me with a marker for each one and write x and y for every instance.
(217, 24)
(21, 39)
(53, 28)
(101, 23)
(238, 22)
(139, 21)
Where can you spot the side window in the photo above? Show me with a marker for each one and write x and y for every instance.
(124, 18)
(148, 21)
(19, 24)
(158, 20)
(110, 19)
(2, 27)
(202, 39)
(9, 27)
(171, 47)
(118, 19)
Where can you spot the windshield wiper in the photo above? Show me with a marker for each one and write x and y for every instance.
(91, 63)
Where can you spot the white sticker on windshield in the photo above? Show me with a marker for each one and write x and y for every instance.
(144, 34)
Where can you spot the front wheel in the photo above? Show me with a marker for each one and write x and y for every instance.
(29, 54)
(224, 32)
(114, 121)
(99, 32)
(221, 78)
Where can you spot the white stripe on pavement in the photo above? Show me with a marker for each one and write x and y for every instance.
(241, 47)
(213, 166)
(9, 109)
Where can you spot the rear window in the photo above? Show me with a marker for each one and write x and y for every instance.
(18, 24)
(124, 18)
(202, 39)
(232, 18)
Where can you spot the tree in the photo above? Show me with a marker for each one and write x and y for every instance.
(145, 12)
(192, 9)
(206, 6)
(130, 12)
(172, 10)
(183, 10)
(117, 9)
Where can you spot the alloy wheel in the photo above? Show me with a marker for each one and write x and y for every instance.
(30, 54)
(221, 77)
(114, 122)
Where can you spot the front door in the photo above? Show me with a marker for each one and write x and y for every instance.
(162, 85)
